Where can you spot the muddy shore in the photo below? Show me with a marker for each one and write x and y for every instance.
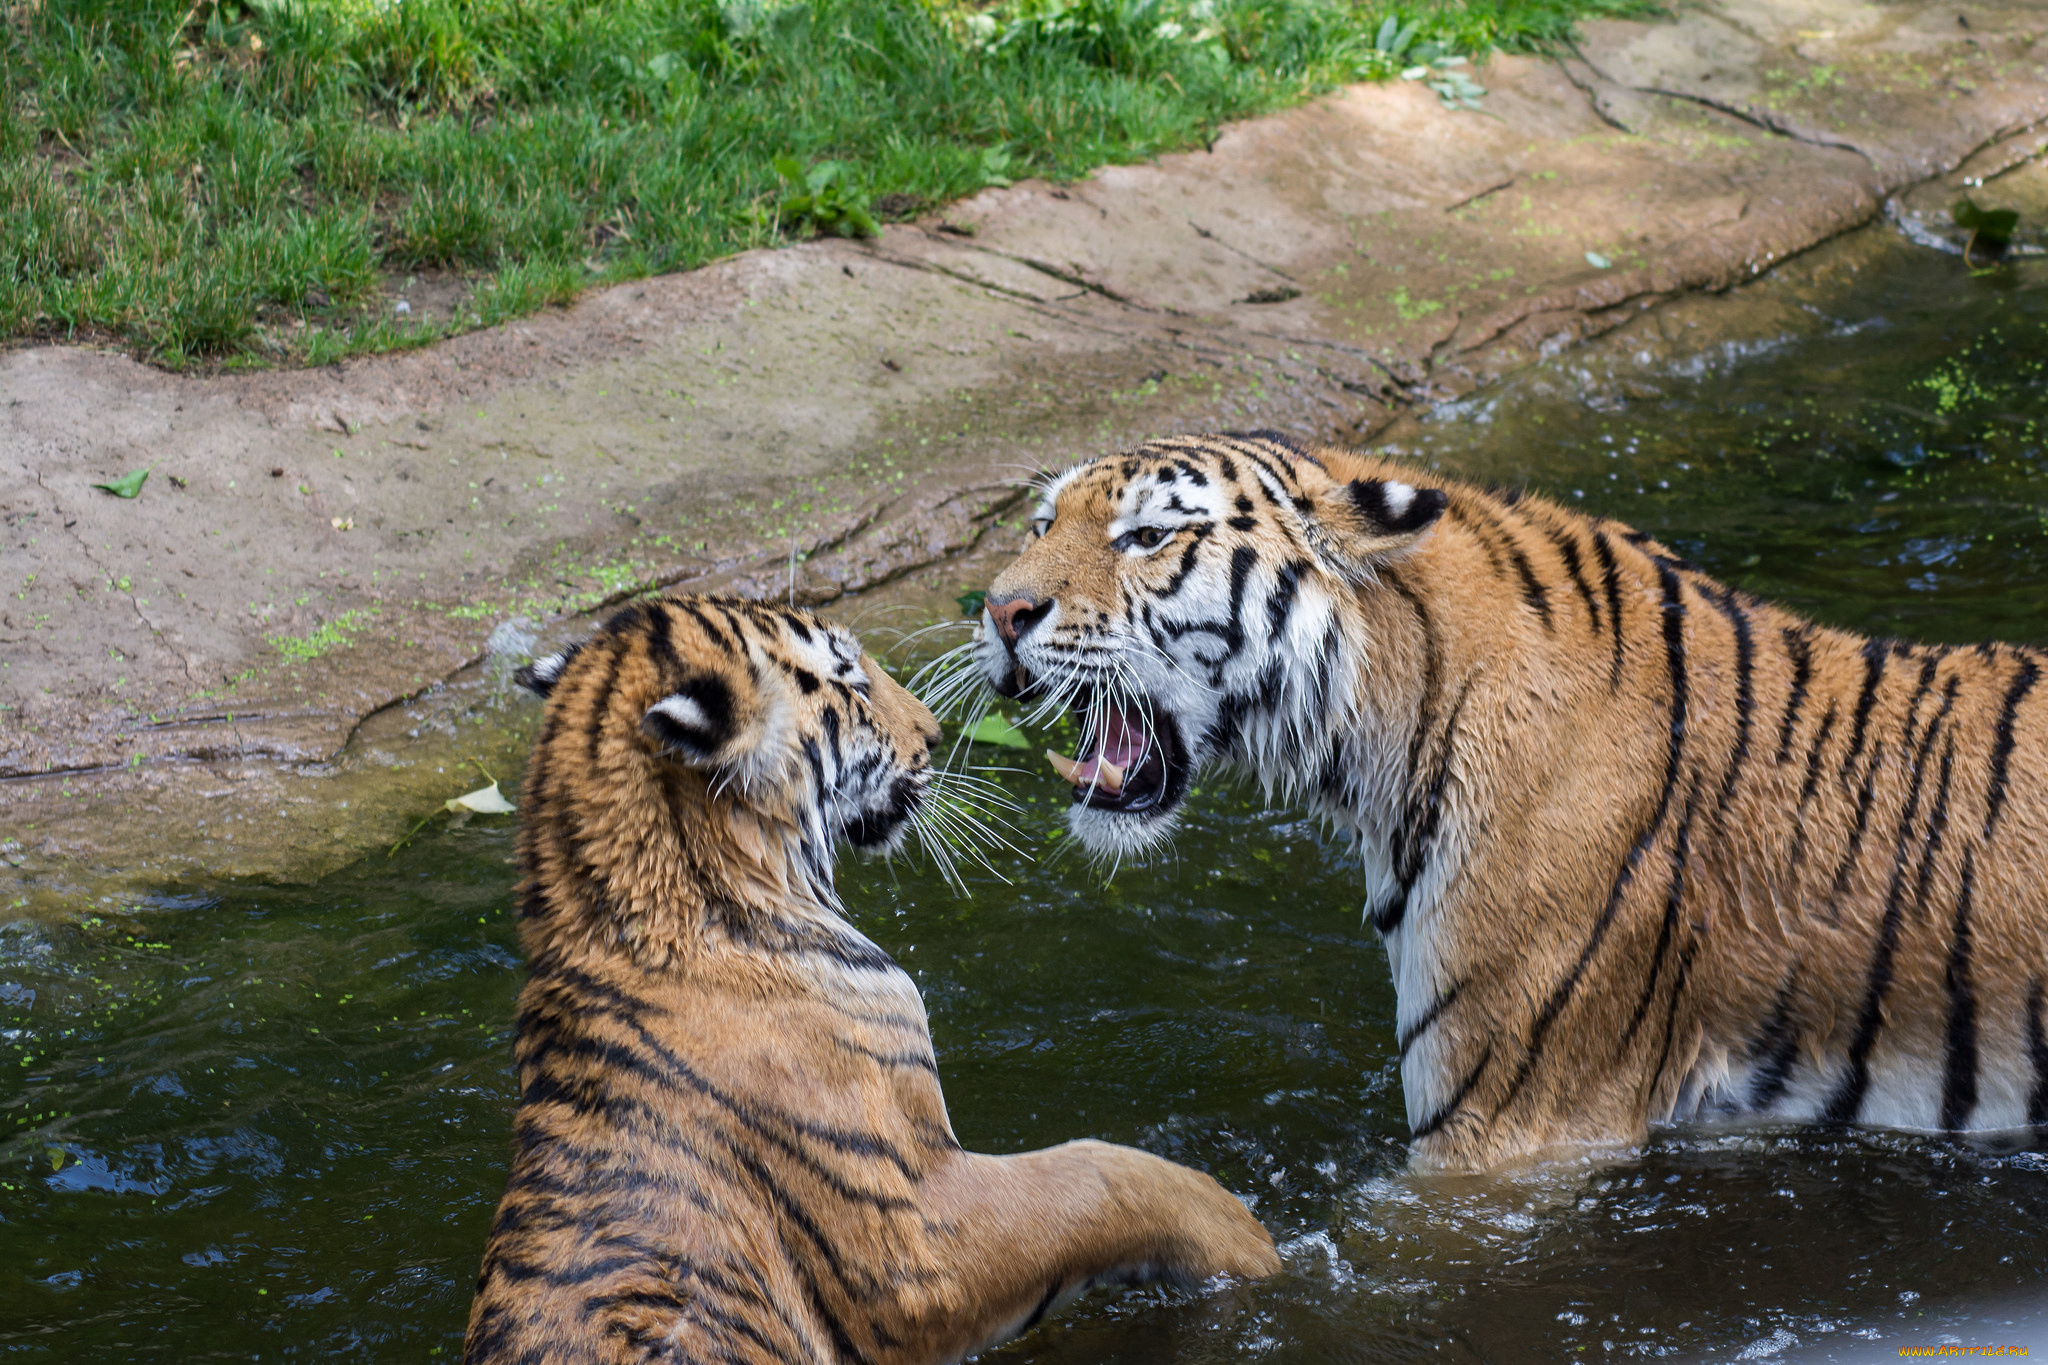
(293, 646)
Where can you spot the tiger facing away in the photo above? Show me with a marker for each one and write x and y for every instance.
(1641, 847)
(730, 1141)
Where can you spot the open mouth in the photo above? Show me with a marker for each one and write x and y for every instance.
(1131, 759)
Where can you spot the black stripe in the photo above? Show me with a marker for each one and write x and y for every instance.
(1432, 671)
(1674, 900)
(578, 987)
(1464, 512)
(1799, 649)
(1269, 436)
(1959, 1075)
(1568, 550)
(709, 627)
(794, 1214)
(1936, 833)
(1418, 832)
(1745, 694)
(1442, 1115)
(2037, 1054)
(1230, 629)
(1188, 558)
(1534, 594)
(917, 1061)
(521, 1271)
(1813, 757)
(659, 643)
(1875, 655)
(1838, 884)
(1045, 1303)
(1272, 477)
(601, 700)
(1610, 580)
(1775, 1048)
(593, 1180)
(1280, 602)
(1409, 1036)
(772, 1124)
(1847, 1100)
(1921, 687)
(2001, 750)
(1673, 610)
(1678, 984)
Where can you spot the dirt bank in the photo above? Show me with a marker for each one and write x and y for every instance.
(292, 644)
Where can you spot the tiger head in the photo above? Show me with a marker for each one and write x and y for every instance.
(1189, 602)
(687, 705)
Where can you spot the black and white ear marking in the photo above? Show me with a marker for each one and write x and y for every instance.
(695, 721)
(540, 676)
(1395, 508)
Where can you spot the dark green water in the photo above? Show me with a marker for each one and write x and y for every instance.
(241, 1123)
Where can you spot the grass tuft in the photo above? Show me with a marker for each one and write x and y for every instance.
(251, 181)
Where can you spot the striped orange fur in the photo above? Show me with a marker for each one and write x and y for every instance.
(1642, 847)
(731, 1143)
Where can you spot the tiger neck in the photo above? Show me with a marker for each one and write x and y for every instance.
(673, 878)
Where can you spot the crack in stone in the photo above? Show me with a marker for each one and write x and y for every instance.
(1471, 199)
(1757, 119)
(1070, 276)
(1592, 95)
(929, 268)
(1209, 236)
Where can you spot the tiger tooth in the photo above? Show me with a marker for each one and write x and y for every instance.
(1064, 766)
(1108, 776)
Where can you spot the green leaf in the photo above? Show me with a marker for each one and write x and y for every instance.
(1597, 261)
(129, 485)
(859, 220)
(972, 601)
(789, 168)
(1389, 26)
(993, 728)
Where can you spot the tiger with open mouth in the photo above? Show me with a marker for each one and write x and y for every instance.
(1641, 847)
(731, 1143)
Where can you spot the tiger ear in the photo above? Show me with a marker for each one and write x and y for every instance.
(540, 676)
(1361, 522)
(721, 721)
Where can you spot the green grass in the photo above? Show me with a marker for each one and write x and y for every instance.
(249, 181)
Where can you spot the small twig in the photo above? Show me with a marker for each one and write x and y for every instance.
(393, 853)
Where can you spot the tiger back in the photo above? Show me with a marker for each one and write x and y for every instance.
(1641, 846)
(731, 1142)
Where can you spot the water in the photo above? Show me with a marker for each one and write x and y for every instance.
(251, 1122)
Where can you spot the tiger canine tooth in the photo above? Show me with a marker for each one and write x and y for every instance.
(1108, 776)
(1064, 766)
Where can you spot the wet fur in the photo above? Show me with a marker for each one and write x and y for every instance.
(1642, 847)
(731, 1143)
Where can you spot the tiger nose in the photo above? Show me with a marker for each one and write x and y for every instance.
(1015, 617)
